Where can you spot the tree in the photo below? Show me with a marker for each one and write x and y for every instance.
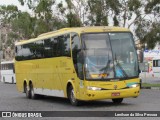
(153, 6)
(126, 12)
(23, 25)
(140, 15)
(148, 31)
(88, 12)
(98, 14)
(7, 14)
(73, 12)
(45, 20)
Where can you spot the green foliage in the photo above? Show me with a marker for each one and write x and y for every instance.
(153, 36)
(98, 14)
(21, 1)
(72, 20)
(30, 3)
(61, 8)
(148, 30)
(150, 85)
(23, 25)
(40, 27)
(116, 23)
(13, 35)
(70, 13)
(7, 13)
(115, 5)
(152, 5)
(75, 13)
(134, 4)
(150, 36)
(43, 9)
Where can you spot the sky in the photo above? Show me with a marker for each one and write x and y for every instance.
(13, 2)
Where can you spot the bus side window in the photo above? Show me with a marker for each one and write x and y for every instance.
(76, 48)
(19, 54)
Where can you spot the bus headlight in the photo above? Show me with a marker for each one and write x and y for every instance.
(93, 88)
(134, 85)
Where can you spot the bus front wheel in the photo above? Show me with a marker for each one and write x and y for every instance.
(71, 96)
(117, 100)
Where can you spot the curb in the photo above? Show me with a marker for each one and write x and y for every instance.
(153, 88)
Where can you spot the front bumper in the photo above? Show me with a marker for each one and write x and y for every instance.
(108, 94)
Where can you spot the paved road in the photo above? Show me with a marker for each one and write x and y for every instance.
(12, 100)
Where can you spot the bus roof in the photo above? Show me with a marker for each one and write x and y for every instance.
(74, 29)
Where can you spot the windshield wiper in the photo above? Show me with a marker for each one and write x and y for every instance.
(105, 69)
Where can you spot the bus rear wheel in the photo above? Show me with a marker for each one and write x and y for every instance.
(4, 80)
(12, 80)
(31, 91)
(117, 100)
(26, 91)
(71, 96)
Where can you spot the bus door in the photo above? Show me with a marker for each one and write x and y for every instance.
(77, 61)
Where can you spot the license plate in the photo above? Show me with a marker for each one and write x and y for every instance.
(116, 94)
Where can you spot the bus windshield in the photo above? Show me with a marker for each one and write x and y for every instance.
(109, 55)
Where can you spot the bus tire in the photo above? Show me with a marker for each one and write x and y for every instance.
(26, 91)
(32, 94)
(3, 79)
(71, 96)
(117, 100)
(12, 80)
(140, 84)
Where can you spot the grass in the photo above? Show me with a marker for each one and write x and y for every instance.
(150, 85)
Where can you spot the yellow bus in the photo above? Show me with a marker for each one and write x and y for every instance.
(81, 64)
